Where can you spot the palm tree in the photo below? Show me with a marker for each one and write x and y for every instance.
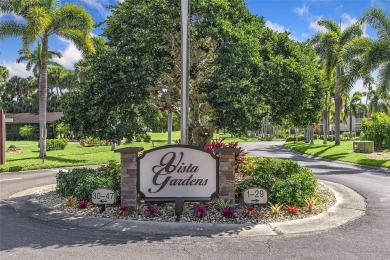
(379, 101)
(41, 19)
(376, 54)
(329, 45)
(368, 83)
(34, 58)
(352, 108)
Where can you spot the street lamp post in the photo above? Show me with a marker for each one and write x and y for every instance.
(184, 71)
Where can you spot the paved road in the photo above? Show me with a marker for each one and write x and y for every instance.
(23, 237)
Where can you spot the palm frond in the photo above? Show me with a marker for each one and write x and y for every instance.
(53, 54)
(330, 25)
(384, 79)
(356, 48)
(82, 40)
(38, 20)
(376, 55)
(11, 29)
(378, 19)
(351, 32)
(71, 16)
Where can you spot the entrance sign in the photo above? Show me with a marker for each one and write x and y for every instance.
(103, 196)
(255, 196)
(178, 171)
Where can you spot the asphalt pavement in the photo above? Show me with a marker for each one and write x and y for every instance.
(357, 227)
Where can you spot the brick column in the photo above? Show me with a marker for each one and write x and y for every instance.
(129, 175)
(226, 172)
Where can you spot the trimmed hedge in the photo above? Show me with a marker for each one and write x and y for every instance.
(286, 181)
(55, 144)
(80, 182)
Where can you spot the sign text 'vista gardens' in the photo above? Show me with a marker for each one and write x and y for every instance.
(178, 171)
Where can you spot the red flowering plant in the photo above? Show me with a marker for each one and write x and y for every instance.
(152, 212)
(228, 213)
(250, 210)
(123, 209)
(200, 211)
(83, 204)
(239, 157)
(292, 209)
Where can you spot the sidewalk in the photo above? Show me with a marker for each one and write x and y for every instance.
(349, 206)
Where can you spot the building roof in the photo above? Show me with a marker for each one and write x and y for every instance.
(30, 118)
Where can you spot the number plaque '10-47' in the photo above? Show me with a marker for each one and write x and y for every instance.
(255, 196)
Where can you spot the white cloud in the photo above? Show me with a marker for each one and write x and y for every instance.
(69, 56)
(100, 7)
(16, 69)
(275, 27)
(302, 11)
(346, 21)
(314, 25)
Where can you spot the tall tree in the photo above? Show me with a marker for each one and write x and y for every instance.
(352, 106)
(378, 101)
(376, 53)
(41, 19)
(329, 45)
(34, 59)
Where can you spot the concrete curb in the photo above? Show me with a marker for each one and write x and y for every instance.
(349, 206)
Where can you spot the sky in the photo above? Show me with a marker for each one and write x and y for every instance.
(299, 17)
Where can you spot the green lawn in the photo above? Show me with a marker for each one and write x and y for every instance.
(75, 155)
(343, 152)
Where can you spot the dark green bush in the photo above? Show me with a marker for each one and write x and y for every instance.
(80, 182)
(147, 138)
(67, 181)
(295, 188)
(285, 179)
(143, 138)
(55, 144)
(377, 129)
(138, 138)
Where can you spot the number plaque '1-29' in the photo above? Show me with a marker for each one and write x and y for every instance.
(255, 196)
(103, 196)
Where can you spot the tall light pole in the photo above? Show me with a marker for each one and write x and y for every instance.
(184, 70)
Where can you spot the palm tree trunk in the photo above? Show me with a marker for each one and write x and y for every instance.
(325, 126)
(350, 122)
(311, 134)
(337, 108)
(43, 98)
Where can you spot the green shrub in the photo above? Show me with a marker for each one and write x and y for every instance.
(55, 144)
(26, 131)
(138, 138)
(285, 179)
(377, 129)
(94, 141)
(295, 188)
(345, 135)
(80, 182)
(143, 138)
(292, 138)
(67, 181)
(147, 138)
